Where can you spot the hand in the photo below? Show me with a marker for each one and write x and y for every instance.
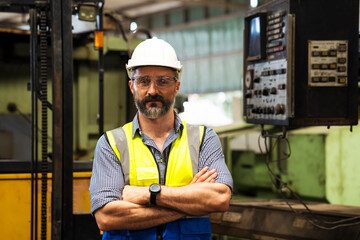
(136, 194)
(204, 176)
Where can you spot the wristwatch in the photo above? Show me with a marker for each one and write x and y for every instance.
(154, 190)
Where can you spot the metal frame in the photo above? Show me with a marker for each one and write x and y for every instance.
(273, 219)
(62, 67)
(62, 195)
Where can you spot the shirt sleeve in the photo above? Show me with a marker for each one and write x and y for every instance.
(211, 155)
(107, 180)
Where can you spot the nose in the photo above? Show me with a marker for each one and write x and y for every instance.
(152, 88)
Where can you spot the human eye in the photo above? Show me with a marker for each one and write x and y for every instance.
(143, 81)
(164, 81)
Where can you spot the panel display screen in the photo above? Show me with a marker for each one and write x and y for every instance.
(254, 38)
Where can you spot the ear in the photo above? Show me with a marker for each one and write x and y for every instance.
(177, 86)
(131, 85)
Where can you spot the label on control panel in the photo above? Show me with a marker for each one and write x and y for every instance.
(267, 90)
(328, 63)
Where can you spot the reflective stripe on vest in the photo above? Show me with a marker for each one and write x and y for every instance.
(139, 166)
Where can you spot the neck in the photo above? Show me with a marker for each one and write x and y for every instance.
(158, 127)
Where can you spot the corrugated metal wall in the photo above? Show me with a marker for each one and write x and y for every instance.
(211, 51)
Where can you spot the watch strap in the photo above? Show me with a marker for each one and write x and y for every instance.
(153, 198)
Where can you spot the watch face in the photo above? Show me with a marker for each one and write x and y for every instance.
(155, 188)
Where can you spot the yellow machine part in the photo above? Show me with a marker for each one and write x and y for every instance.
(15, 202)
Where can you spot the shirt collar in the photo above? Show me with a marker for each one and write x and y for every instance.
(136, 126)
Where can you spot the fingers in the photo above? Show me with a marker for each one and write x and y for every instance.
(210, 176)
(199, 174)
(204, 176)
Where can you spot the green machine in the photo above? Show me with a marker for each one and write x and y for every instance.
(317, 163)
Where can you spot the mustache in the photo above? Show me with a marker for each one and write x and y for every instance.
(155, 97)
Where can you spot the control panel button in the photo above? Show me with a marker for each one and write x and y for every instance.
(324, 66)
(257, 80)
(273, 91)
(342, 48)
(276, 36)
(324, 79)
(248, 95)
(257, 92)
(276, 15)
(265, 73)
(274, 21)
(315, 53)
(275, 31)
(315, 79)
(341, 60)
(279, 109)
(265, 92)
(274, 44)
(332, 53)
(332, 66)
(315, 66)
(271, 110)
(342, 80)
(281, 71)
(281, 86)
(275, 26)
(324, 53)
(332, 79)
(341, 69)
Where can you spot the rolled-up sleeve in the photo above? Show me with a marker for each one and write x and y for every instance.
(211, 155)
(107, 180)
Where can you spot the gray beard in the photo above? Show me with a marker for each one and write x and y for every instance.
(153, 111)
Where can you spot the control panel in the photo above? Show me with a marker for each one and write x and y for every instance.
(267, 81)
(301, 65)
(328, 63)
(266, 95)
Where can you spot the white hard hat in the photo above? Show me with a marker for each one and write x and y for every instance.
(154, 52)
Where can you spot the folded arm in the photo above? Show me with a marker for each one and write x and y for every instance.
(134, 212)
(123, 215)
(198, 198)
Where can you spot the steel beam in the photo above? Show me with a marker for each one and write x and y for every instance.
(101, 74)
(276, 220)
(62, 202)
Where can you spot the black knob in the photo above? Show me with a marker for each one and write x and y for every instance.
(248, 95)
(271, 110)
(265, 92)
(279, 109)
(273, 91)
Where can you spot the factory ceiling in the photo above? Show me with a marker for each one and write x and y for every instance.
(129, 10)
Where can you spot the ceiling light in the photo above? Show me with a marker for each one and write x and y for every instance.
(133, 26)
(254, 3)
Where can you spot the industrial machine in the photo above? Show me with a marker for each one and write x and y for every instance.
(301, 63)
(300, 68)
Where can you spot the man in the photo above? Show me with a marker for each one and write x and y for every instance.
(156, 177)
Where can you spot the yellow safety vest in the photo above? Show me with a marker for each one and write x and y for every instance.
(139, 166)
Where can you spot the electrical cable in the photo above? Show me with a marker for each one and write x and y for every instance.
(282, 185)
(131, 35)
(118, 24)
